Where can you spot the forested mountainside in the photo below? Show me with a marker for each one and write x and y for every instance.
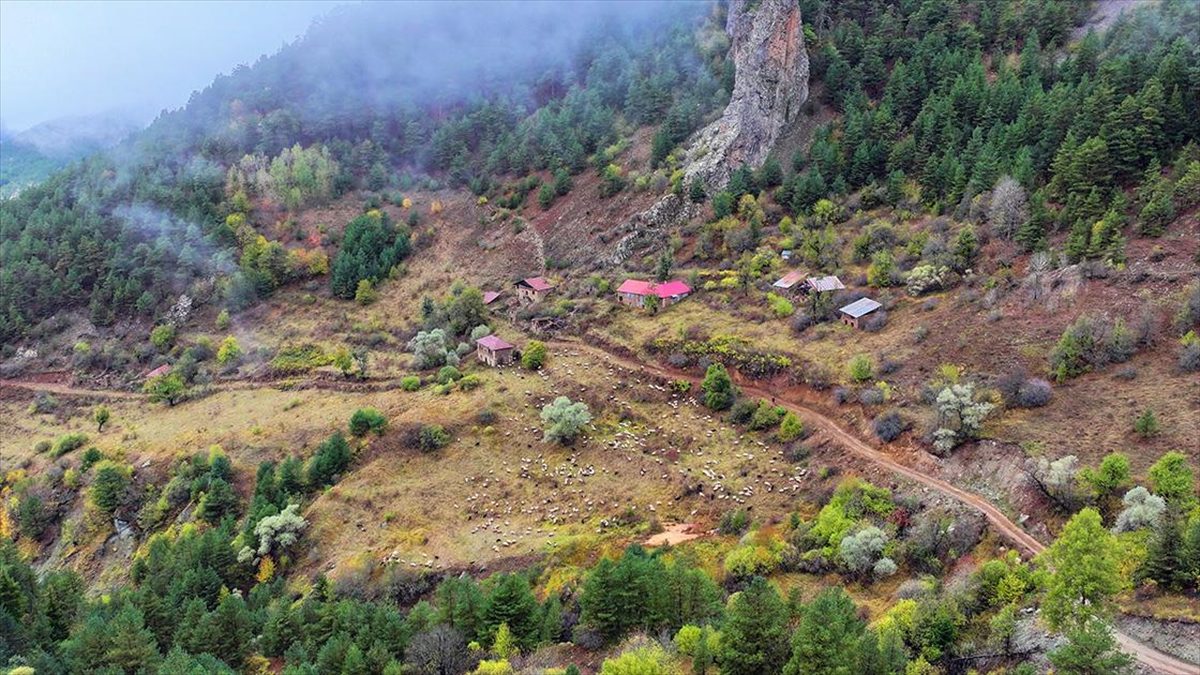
(276, 404)
(351, 105)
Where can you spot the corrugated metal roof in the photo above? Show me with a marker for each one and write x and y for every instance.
(490, 296)
(790, 279)
(860, 307)
(825, 284)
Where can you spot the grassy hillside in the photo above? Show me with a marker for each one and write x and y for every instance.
(247, 429)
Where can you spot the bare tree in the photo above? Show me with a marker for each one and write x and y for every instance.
(1009, 208)
(440, 650)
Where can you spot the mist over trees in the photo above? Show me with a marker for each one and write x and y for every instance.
(468, 92)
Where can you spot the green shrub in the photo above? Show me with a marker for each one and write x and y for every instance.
(162, 337)
(719, 392)
(734, 522)
(366, 420)
(766, 416)
(565, 419)
(470, 382)
(432, 437)
(790, 428)
(448, 374)
(781, 307)
(860, 369)
(331, 459)
(229, 351)
(534, 356)
(110, 485)
(743, 411)
(365, 293)
(410, 383)
(90, 457)
(1146, 425)
(68, 442)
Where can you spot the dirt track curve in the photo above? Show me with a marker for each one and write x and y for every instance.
(1159, 661)
(1148, 656)
(68, 390)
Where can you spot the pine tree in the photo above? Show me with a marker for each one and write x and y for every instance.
(512, 602)
(719, 392)
(1165, 562)
(754, 639)
(131, 646)
(1090, 649)
(828, 638)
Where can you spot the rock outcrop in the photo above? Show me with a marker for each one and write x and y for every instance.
(770, 87)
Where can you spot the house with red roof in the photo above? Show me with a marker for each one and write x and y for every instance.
(635, 292)
(533, 289)
(490, 296)
(494, 351)
(157, 372)
(790, 282)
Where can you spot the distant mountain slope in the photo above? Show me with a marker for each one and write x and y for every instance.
(31, 156)
(474, 94)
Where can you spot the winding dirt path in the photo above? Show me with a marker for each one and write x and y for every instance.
(1159, 661)
(68, 390)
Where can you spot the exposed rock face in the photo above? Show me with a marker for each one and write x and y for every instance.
(770, 86)
(646, 228)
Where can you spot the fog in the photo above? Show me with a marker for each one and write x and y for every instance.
(132, 59)
(69, 59)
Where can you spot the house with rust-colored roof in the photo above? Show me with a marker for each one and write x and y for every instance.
(790, 282)
(494, 351)
(533, 289)
(634, 292)
(157, 372)
(490, 296)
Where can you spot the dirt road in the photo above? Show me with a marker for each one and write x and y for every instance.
(1148, 656)
(68, 390)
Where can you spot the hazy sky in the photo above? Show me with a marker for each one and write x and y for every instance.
(62, 58)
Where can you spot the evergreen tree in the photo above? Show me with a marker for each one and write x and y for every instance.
(828, 638)
(511, 601)
(131, 646)
(754, 639)
(1165, 562)
(1090, 650)
(719, 392)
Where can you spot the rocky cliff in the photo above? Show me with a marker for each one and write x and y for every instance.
(770, 86)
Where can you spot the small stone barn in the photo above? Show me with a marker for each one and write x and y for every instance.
(533, 289)
(490, 296)
(634, 292)
(853, 313)
(494, 351)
